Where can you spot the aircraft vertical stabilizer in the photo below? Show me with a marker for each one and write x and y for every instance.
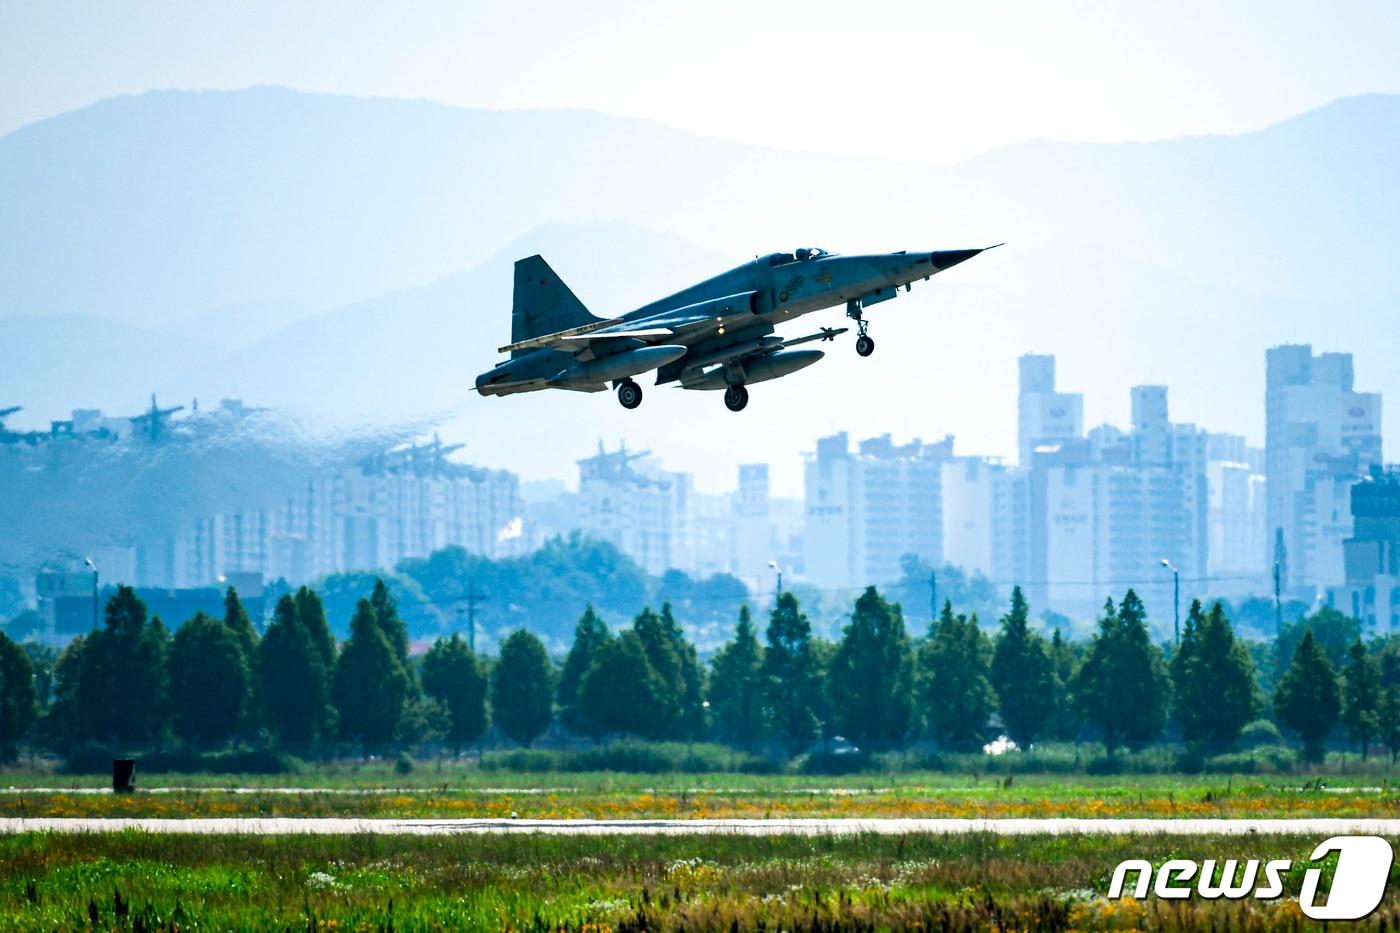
(543, 304)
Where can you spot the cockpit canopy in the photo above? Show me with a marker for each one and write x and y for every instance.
(801, 255)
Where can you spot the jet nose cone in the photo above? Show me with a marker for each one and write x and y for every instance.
(948, 258)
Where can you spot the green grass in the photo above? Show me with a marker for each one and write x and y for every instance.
(138, 881)
(466, 792)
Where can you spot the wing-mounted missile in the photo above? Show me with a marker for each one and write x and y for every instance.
(826, 333)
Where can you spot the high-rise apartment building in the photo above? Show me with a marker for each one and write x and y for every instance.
(1044, 415)
(866, 509)
(627, 500)
(1321, 437)
(1371, 590)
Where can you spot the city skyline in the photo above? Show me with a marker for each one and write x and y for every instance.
(1082, 512)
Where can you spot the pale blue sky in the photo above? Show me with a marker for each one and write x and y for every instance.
(926, 80)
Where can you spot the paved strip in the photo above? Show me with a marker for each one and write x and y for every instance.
(332, 826)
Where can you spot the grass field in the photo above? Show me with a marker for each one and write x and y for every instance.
(143, 882)
(467, 793)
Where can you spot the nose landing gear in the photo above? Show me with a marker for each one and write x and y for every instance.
(629, 394)
(736, 397)
(865, 344)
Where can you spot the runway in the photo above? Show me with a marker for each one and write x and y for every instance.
(272, 826)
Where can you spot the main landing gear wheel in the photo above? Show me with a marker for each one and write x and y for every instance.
(736, 397)
(865, 345)
(629, 394)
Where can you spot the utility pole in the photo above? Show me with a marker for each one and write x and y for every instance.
(93, 567)
(472, 596)
(933, 594)
(1280, 555)
(1176, 602)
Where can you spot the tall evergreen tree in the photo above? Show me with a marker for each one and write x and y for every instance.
(17, 704)
(1308, 700)
(622, 692)
(61, 725)
(660, 647)
(590, 635)
(310, 614)
(736, 684)
(954, 670)
(386, 614)
(792, 681)
(208, 680)
(872, 675)
(1388, 704)
(123, 686)
(690, 722)
(1388, 720)
(1122, 688)
(452, 675)
(1361, 695)
(1022, 675)
(370, 686)
(236, 620)
(293, 680)
(1213, 676)
(1064, 722)
(522, 688)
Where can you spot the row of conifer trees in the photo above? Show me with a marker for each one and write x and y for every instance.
(133, 683)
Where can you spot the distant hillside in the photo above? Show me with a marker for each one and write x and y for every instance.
(320, 243)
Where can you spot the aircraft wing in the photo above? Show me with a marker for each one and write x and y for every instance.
(689, 320)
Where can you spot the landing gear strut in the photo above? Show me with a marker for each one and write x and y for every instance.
(865, 345)
(629, 394)
(736, 397)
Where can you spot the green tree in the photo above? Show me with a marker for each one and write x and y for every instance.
(42, 658)
(736, 684)
(1331, 630)
(208, 680)
(1308, 700)
(1213, 677)
(872, 675)
(236, 620)
(386, 614)
(792, 681)
(1022, 675)
(452, 675)
(622, 692)
(1064, 722)
(311, 616)
(691, 720)
(954, 670)
(1388, 719)
(61, 724)
(1388, 705)
(1122, 687)
(522, 689)
(665, 659)
(1361, 695)
(293, 680)
(17, 704)
(370, 686)
(590, 635)
(122, 691)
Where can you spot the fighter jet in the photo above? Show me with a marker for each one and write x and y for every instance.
(716, 335)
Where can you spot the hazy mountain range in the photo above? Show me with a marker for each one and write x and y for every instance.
(351, 258)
